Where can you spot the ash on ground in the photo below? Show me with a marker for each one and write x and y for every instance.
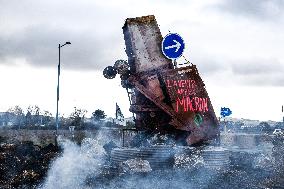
(88, 165)
(237, 168)
(23, 164)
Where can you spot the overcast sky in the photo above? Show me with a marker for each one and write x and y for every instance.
(237, 46)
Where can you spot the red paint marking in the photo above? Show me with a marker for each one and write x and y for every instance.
(182, 103)
(168, 83)
(181, 91)
(205, 104)
(194, 104)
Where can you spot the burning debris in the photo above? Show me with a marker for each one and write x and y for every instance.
(188, 158)
(136, 165)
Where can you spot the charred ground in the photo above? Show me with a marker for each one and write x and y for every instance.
(24, 164)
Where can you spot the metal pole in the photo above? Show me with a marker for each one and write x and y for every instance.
(129, 98)
(283, 116)
(175, 63)
(57, 99)
(225, 126)
(122, 137)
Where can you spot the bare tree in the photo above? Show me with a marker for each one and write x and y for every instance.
(47, 117)
(77, 116)
(18, 115)
(32, 116)
(34, 110)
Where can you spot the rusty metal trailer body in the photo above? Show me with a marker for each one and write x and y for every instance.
(164, 99)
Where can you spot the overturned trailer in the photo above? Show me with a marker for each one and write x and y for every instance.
(164, 99)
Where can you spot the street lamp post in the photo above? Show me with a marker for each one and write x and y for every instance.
(283, 116)
(58, 74)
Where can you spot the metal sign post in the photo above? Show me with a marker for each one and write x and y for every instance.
(283, 117)
(224, 113)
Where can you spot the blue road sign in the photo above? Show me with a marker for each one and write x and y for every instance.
(172, 46)
(225, 112)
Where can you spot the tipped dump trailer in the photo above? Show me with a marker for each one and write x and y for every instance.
(163, 98)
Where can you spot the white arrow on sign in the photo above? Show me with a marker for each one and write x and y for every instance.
(177, 46)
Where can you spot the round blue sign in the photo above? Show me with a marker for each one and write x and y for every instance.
(172, 46)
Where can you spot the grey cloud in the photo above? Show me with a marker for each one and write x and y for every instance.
(258, 66)
(34, 29)
(276, 80)
(38, 45)
(261, 72)
(259, 9)
(256, 72)
(208, 65)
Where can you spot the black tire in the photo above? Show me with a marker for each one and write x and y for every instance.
(159, 157)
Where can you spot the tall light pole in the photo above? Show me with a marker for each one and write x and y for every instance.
(283, 116)
(58, 74)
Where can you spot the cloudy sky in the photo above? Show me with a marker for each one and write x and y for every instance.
(236, 45)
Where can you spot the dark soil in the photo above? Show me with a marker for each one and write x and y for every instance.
(23, 164)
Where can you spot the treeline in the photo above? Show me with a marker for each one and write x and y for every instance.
(261, 127)
(35, 118)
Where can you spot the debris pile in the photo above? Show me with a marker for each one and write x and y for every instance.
(136, 165)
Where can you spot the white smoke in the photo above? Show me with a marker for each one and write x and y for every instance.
(71, 169)
(79, 164)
